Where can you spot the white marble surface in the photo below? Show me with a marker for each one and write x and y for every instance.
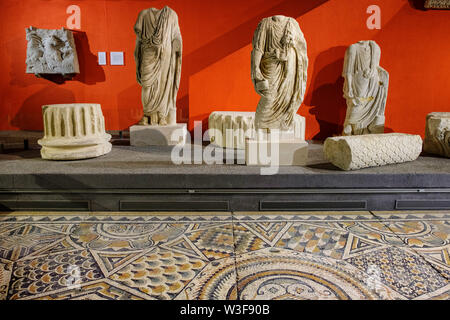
(362, 151)
(291, 152)
(51, 52)
(142, 136)
(437, 134)
(279, 64)
(158, 60)
(74, 131)
(229, 129)
(365, 89)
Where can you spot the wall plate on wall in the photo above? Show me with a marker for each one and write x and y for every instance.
(102, 58)
(117, 58)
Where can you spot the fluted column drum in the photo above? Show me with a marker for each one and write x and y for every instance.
(229, 129)
(74, 131)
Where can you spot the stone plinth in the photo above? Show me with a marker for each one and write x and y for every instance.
(74, 131)
(437, 134)
(142, 136)
(283, 152)
(357, 152)
(228, 129)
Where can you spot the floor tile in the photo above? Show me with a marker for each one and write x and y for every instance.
(282, 274)
(336, 236)
(26, 239)
(5, 277)
(401, 269)
(48, 273)
(217, 281)
(159, 273)
(427, 233)
(273, 255)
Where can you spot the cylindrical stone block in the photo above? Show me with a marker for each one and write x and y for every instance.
(74, 131)
(229, 129)
(372, 150)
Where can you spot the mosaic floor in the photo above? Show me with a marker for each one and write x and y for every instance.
(359, 255)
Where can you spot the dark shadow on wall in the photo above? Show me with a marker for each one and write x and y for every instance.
(17, 53)
(90, 72)
(234, 40)
(326, 93)
(29, 115)
(417, 4)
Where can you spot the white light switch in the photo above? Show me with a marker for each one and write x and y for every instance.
(102, 58)
(117, 58)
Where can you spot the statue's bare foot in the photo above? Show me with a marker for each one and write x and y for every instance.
(347, 130)
(144, 121)
(163, 121)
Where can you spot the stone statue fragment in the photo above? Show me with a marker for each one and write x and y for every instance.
(279, 72)
(51, 52)
(372, 150)
(228, 129)
(437, 4)
(279, 65)
(437, 134)
(365, 89)
(74, 131)
(158, 64)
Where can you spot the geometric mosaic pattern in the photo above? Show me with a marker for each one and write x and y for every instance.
(329, 255)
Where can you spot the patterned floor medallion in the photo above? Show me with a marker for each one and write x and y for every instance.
(338, 255)
(404, 271)
(279, 274)
(287, 275)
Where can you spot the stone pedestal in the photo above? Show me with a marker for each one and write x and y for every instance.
(142, 136)
(74, 131)
(282, 152)
(437, 134)
(230, 129)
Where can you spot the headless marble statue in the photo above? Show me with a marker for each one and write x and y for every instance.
(365, 88)
(158, 64)
(279, 71)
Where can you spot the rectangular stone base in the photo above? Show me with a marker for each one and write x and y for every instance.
(290, 152)
(142, 136)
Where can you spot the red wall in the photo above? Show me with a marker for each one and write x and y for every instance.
(217, 38)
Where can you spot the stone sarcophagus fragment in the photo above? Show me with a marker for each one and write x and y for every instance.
(230, 129)
(437, 4)
(51, 52)
(372, 150)
(74, 131)
(437, 134)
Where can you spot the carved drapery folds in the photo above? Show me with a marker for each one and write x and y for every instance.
(365, 89)
(279, 71)
(158, 64)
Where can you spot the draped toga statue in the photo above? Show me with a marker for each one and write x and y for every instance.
(365, 88)
(279, 71)
(158, 64)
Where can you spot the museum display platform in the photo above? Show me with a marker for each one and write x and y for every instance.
(145, 179)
